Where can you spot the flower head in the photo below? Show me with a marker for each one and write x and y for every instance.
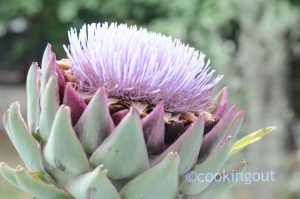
(132, 63)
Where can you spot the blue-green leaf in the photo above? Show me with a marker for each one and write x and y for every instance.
(161, 181)
(63, 151)
(32, 184)
(92, 185)
(25, 144)
(124, 151)
(187, 146)
(33, 98)
(49, 106)
(95, 123)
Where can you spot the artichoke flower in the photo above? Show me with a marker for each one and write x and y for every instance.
(126, 116)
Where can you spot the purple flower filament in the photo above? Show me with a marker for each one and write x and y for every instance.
(132, 63)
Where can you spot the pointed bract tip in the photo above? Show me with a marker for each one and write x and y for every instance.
(199, 120)
(2, 164)
(133, 111)
(241, 113)
(160, 106)
(34, 65)
(173, 154)
(48, 50)
(224, 91)
(101, 92)
(14, 105)
(100, 169)
(64, 108)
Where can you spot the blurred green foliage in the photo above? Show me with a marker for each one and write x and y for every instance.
(210, 25)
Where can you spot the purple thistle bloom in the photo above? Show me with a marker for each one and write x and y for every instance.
(135, 64)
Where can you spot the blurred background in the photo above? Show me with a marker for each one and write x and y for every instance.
(255, 44)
